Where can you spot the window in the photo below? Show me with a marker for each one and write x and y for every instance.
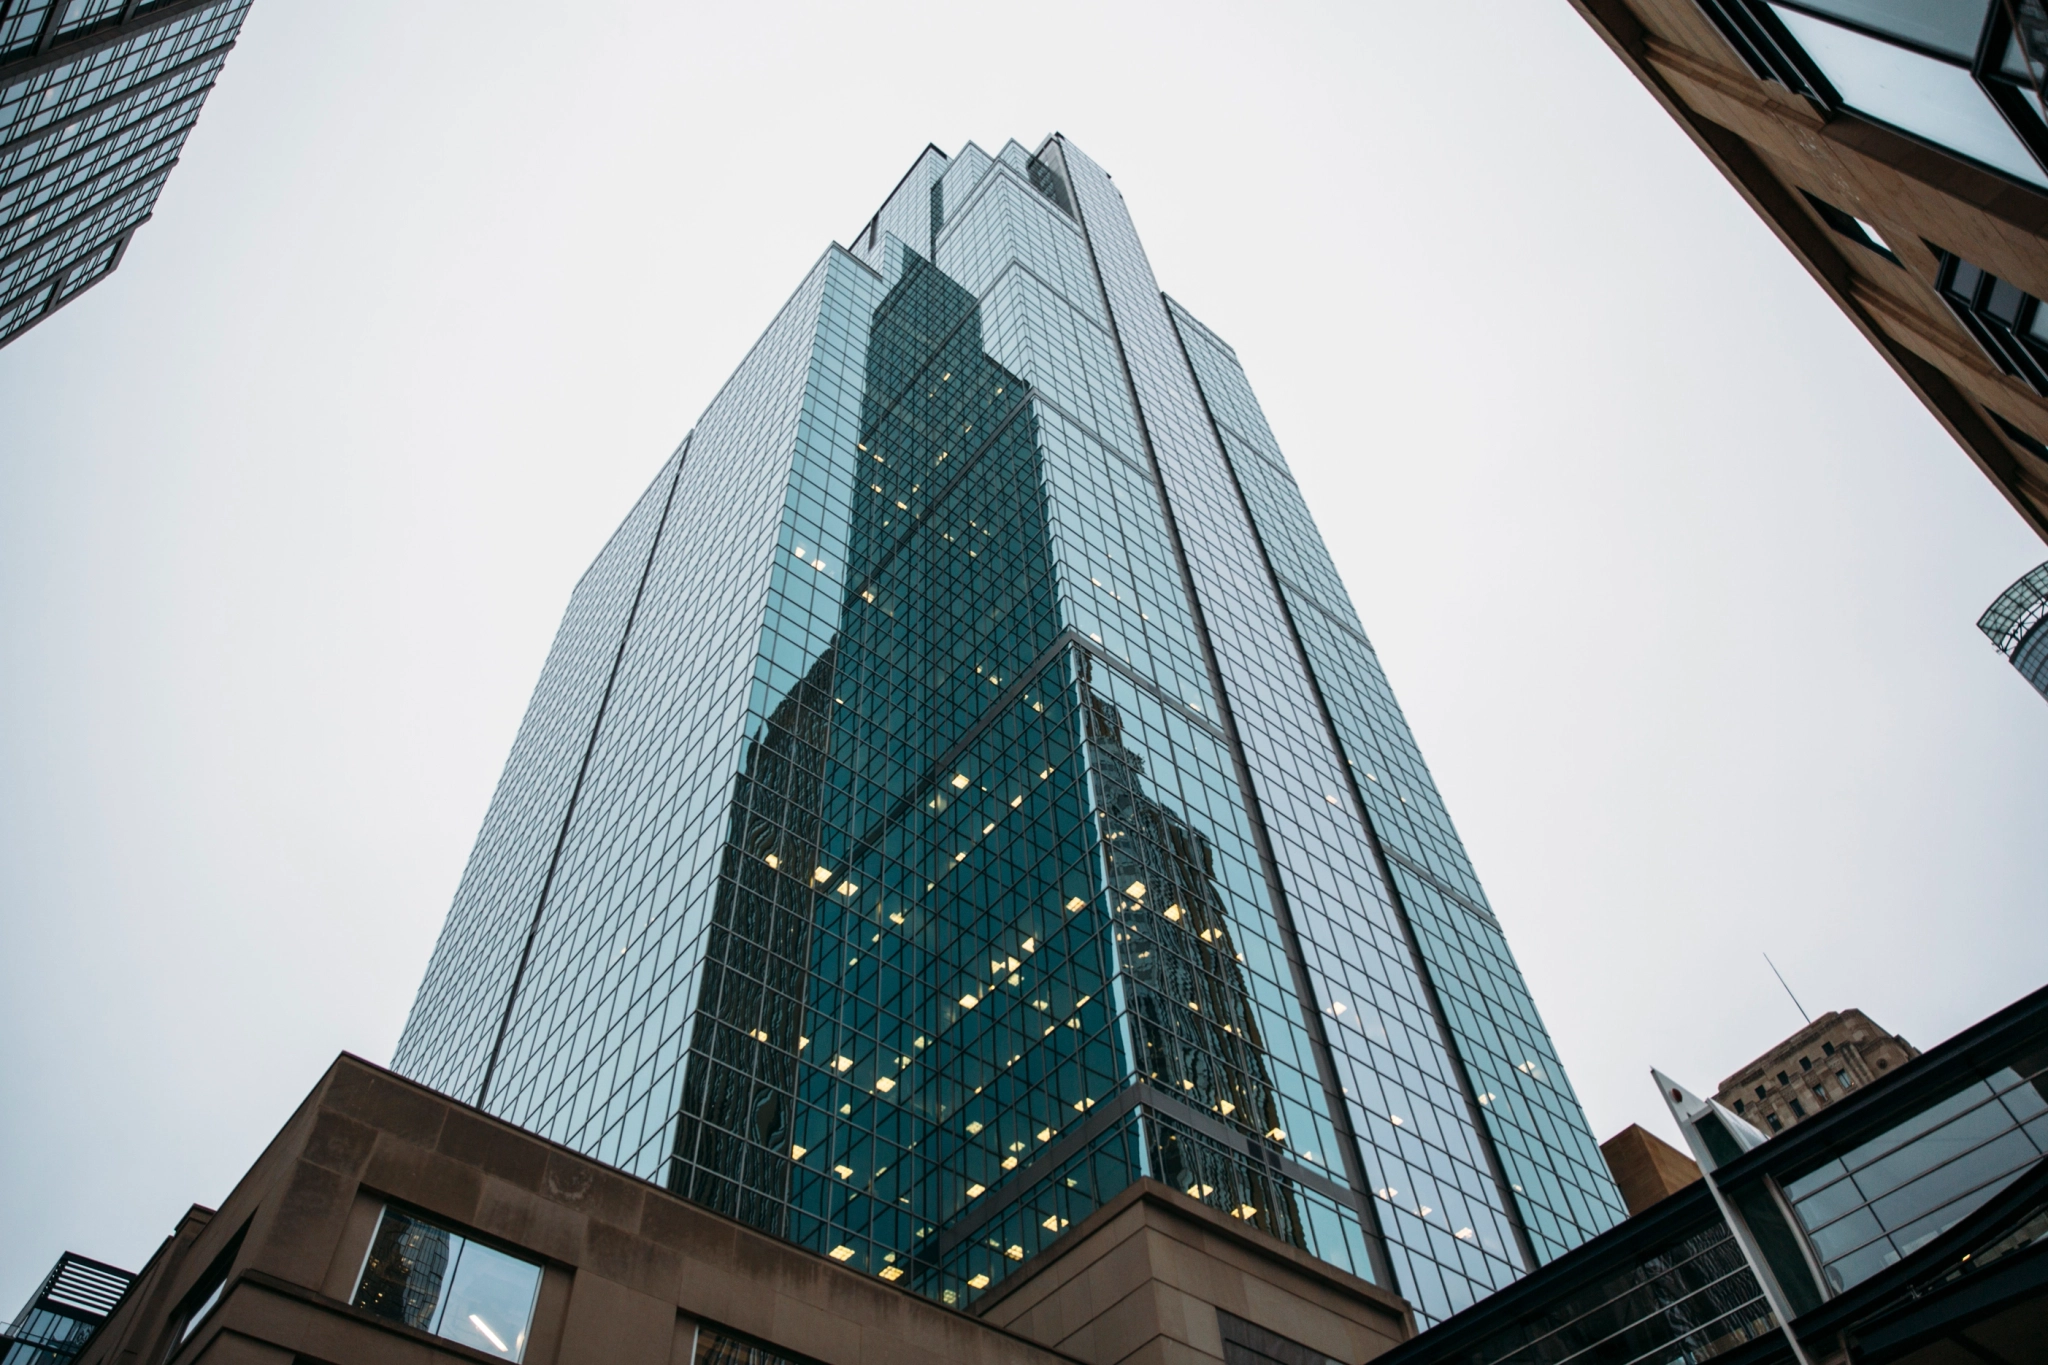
(1949, 72)
(1842, 1077)
(1806, 1063)
(2007, 321)
(1798, 1110)
(1760, 1092)
(444, 1283)
(1775, 1125)
(1784, 1079)
(1828, 1048)
(1738, 1106)
(1859, 232)
(1820, 1091)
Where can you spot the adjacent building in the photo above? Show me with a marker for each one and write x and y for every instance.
(1900, 152)
(96, 98)
(2014, 623)
(1906, 1224)
(61, 1316)
(1816, 1066)
(962, 792)
(1647, 1169)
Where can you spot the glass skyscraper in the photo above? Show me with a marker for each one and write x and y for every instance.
(2018, 624)
(962, 786)
(96, 97)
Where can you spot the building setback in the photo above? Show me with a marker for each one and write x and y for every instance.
(1900, 152)
(96, 97)
(1813, 1068)
(962, 789)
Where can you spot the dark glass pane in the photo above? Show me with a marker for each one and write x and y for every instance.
(2003, 302)
(402, 1278)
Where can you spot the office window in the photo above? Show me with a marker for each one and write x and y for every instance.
(442, 1282)
(1949, 72)
(1820, 1091)
(1843, 1078)
(1775, 1124)
(1760, 1092)
(1784, 1079)
(1806, 1063)
(1828, 1048)
(1738, 1106)
(1798, 1109)
(2006, 320)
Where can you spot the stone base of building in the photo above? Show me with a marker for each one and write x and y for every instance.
(625, 1272)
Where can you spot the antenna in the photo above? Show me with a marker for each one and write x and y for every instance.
(1788, 989)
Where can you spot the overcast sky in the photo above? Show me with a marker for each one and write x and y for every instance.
(1674, 578)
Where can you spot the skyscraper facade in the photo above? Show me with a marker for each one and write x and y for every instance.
(96, 97)
(962, 787)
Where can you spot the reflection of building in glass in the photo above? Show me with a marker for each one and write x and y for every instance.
(2018, 624)
(961, 789)
(1899, 149)
(96, 97)
(73, 1300)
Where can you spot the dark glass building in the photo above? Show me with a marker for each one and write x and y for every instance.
(96, 97)
(962, 787)
(2018, 624)
(61, 1316)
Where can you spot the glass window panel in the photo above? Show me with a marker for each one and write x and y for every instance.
(1926, 97)
(1946, 1183)
(1829, 1204)
(1839, 1238)
(1952, 1139)
(1856, 1268)
(489, 1303)
(441, 1282)
(1951, 26)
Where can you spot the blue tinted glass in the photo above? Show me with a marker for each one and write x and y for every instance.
(929, 820)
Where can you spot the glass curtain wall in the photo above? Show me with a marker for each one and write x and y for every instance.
(907, 846)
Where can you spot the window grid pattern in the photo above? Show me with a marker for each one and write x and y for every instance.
(1422, 1151)
(85, 145)
(448, 1041)
(1876, 1204)
(1691, 1300)
(885, 858)
(1551, 1160)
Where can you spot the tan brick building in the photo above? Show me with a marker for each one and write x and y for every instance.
(1900, 151)
(1812, 1069)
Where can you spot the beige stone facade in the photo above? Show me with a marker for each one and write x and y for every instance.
(1816, 1066)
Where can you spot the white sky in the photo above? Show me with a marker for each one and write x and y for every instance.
(1674, 578)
